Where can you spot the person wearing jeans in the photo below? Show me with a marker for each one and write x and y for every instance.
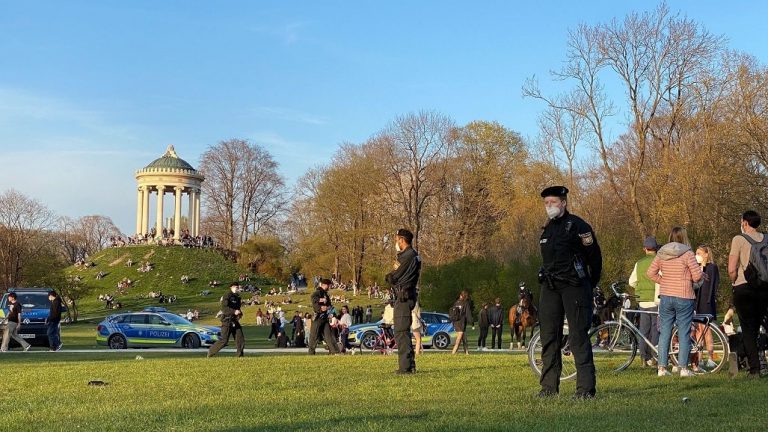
(675, 269)
(675, 310)
(54, 321)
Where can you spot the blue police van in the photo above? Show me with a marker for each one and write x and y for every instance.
(35, 307)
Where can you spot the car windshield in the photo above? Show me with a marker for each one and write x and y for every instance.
(175, 319)
(34, 300)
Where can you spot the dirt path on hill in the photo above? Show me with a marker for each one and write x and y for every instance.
(148, 255)
(119, 260)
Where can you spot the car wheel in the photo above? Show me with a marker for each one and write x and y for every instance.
(117, 342)
(368, 340)
(190, 341)
(441, 341)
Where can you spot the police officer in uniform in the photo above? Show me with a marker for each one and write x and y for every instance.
(230, 322)
(403, 280)
(571, 268)
(321, 303)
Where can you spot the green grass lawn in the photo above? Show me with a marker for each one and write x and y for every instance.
(45, 391)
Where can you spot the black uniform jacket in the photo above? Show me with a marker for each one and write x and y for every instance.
(320, 298)
(406, 276)
(566, 239)
(229, 304)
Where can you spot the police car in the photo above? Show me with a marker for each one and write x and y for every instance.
(34, 312)
(439, 332)
(153, 327)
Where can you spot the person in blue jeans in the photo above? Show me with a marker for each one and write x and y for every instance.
(54, 321)
(675, 269)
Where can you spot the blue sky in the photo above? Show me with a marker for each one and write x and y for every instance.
(92, 91)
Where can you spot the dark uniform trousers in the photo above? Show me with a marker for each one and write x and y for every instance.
(229, 327)
(574, 303)
(496, 332)
(320, 324)
(403, 320)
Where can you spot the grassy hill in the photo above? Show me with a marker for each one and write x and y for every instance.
(169, 265)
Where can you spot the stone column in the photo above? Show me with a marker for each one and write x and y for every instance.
(139, 210)
(197, 212)
(159, 220)
(145, 210)
(191, 216)
(177, 214)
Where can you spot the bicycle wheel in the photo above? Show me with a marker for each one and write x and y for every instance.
(613, 347)
(707, 361)
(377, 346)
(534, 357)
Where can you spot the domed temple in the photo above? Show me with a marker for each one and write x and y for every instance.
(168, 174)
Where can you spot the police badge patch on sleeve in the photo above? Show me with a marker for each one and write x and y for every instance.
(587, 239)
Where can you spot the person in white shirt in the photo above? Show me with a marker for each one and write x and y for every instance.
(344, 324)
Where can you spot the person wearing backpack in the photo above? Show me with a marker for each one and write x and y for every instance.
(675, 270)
(750, 295)
(461, 315)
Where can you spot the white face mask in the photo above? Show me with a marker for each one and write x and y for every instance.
(553, 212)
(397, 247)
(699, 259)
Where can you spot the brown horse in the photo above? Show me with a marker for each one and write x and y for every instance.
(522, 316)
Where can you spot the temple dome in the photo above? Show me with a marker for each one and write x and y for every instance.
(170, 160)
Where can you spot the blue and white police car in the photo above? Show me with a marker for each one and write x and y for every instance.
(438, 334)
(153, 327)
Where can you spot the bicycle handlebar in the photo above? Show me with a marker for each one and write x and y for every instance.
(614, 288)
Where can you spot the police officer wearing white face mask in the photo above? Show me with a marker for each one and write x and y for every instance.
(571, 267)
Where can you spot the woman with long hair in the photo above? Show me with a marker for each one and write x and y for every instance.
(706, 303)
(463, 316)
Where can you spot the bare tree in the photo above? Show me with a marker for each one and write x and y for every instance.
(23, 223)
(243, 191)
(656, 57)
(416, 148)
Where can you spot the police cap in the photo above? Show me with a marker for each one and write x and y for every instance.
(555, 191)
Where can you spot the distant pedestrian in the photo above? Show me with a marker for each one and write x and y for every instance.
(368, 313)
(13, 325)
(230, 322)
(484, 323)
(647, 292)
(321, 303)
(496, 319)
(417, 328)
(53, 321)
(461, 316)
(706, 303)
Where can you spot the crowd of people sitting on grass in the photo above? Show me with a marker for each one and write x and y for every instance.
(167, 238)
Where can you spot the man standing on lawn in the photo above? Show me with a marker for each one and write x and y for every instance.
(404, 280)
(230, 322)
(54, 321)
(571, 267)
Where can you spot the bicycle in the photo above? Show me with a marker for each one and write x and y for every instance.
(384, 343)
(615, 344)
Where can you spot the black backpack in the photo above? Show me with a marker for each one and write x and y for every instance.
(454, 313)
(756, 272)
